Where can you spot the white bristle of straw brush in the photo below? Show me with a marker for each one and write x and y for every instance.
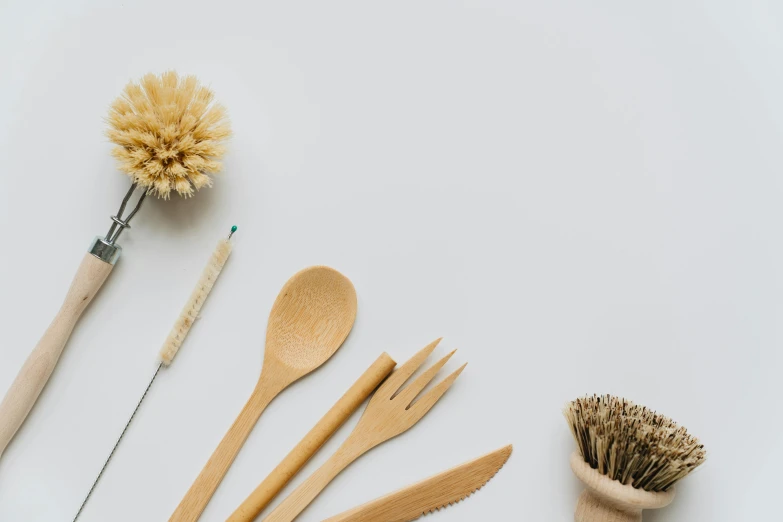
(192, 308)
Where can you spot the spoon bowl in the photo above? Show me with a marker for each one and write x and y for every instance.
(310, 319)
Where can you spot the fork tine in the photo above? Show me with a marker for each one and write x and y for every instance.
(403, 373)
(413, 389)
(428, 400)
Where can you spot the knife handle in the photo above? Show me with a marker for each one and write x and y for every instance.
(353, 515)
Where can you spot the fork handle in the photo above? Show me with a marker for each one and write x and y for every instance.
(312, 442)
(303, 495)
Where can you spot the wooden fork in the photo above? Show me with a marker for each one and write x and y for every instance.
(387, 415)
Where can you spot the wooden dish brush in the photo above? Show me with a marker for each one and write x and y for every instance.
(168, 135)
(629, 458)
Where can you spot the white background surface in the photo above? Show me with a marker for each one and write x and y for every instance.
(580, 196)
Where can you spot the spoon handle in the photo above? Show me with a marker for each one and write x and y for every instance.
(202, 489)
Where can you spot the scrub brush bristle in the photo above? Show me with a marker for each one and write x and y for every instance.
(192, 308)
(629, 458)
(168, 134)
(632, 444)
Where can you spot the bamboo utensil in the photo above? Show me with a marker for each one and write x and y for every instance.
(321, 432)
(428, 495)
(391, 411)
(177, 336)
(168, 136)
(309, 321)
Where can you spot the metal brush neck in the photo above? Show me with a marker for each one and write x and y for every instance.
(105, 248)
(121, 224)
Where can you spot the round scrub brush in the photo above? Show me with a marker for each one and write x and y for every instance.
(629, 458)
(168, 134)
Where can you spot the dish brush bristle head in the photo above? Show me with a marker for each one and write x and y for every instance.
(632, 444)
(168, 133)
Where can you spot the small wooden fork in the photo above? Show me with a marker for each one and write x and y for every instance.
(391, 411)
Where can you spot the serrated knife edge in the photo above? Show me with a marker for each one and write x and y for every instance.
(431, 494)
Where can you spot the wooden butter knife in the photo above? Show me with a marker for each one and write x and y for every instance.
(434, 493)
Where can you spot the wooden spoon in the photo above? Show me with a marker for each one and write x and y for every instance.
(310, 319)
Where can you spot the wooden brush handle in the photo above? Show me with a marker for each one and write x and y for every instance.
(303, 495)
(607, 500)
(21, 396)
(321, 432)
(196, 499)
(594, 508)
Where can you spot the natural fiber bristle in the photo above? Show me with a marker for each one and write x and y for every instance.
(632, 444)
(192, 308)
(168, 134)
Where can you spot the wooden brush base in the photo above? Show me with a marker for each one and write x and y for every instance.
(607, 500)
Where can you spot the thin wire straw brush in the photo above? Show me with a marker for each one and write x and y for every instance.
(177, 336)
